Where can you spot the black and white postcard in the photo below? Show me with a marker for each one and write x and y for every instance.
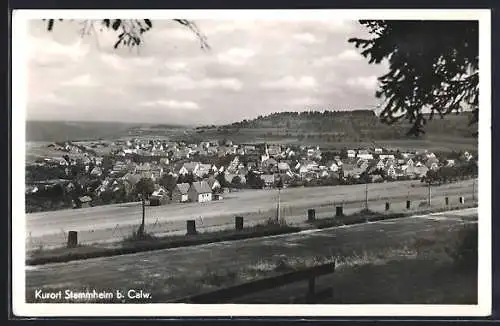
(251, 163)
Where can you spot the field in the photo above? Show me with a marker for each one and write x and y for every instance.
(174, 273)
(114, 222)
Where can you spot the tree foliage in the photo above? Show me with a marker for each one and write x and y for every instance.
(145, 187)
(432, 65)
(130, 31)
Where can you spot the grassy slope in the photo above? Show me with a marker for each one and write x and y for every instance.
(344, 129)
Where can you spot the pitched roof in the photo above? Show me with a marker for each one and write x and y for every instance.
(283, 166)
(182, 187)
(85, 199)
(201, 187)
(190, 166)
(212, 181)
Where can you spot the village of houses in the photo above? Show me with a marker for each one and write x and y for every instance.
(206, 171)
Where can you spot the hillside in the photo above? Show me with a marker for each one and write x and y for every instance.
(341, 128)
(84, 130)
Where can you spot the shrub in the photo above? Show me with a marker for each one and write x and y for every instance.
(136, 236)
(464, 250)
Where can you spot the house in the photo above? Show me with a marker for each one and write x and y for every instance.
(450, 162)
(350, 170)
(164, 161)
(120, 166)
(213, 183)
(180, 193)
(158, 197)
(229, 177)
(212, 151)
(203, 169)
(386, 157)
(269, 163)
(378, 150)
(96, 172)
(416, 171)
(308, 166)
(380, 165)
(268, 180)
(365, 155)
(200, 192)
(391, 171)
(190, 167)
(84, 202)
(351, 153)
(283, 167)
(249, 148)
(274, 150)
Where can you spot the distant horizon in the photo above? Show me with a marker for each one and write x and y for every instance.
(179, 124)
(200, 124)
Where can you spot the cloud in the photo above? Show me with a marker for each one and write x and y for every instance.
(291, 83)
(236, 56)
(185, 82)
(301, 101)
(176, 66)
(307, 38)
(52, 99)
(46, 51)
(172, 104)
(368, 83)
(350, 55)
(81, 81)
(113, 61)
(325, 61)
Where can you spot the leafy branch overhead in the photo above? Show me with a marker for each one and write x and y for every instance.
(433, 65)
(131, 30)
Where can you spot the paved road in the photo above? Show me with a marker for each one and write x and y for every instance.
(173, 273)
(113, 222)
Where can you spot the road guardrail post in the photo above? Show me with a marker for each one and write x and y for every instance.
(191, 227)
(72, 239)
(311, 215)
(238, 222)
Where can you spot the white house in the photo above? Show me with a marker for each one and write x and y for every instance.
(200, 192)
(180, 192)
(191, 167)
(351, 153)
(365, 155)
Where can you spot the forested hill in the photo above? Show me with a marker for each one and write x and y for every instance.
(338, 126)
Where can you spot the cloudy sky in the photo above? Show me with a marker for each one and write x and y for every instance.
(252, 68)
